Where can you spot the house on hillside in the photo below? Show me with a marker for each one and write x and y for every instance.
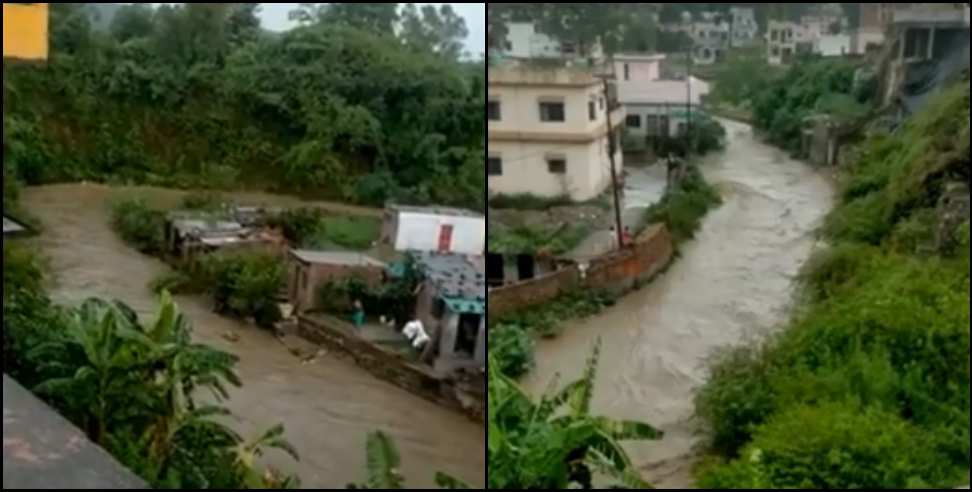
(743, 27)
(452, 302)
(710, 39)
(308, 271)
(548, 133)
(525, 42)
(439, 229)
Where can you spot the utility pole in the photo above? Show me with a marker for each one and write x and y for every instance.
(614, 171)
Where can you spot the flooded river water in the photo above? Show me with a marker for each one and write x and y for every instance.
(734, 282)
(328, 407)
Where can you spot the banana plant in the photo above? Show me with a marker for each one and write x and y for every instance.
(556, 443)
(383, 468)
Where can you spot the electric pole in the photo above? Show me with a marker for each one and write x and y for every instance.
(614, 171)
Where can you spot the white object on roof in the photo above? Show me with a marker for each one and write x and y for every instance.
(345, 258)
(415, 332)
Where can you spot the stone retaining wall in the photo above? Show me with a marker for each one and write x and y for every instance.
(462, 393)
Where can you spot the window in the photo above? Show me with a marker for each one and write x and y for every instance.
(775, 51)
(682, 128)
(592, 110)
(494, 166)
(601, 103)
(627, 72)
(552, 112)
(633, 121)
(774, 35)
(651, 124)
(557, 165)
(493, 110)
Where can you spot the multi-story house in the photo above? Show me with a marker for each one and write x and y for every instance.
(548, 133)
(781, 41)
(744, 29)
(710, 39)
(523, 41)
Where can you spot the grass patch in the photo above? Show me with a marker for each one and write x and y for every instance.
(523, 239)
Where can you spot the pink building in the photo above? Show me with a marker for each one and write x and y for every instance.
(637, 68)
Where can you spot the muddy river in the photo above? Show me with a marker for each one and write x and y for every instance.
(328, 407)
(732, 284)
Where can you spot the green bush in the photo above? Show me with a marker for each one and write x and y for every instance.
(204, 201)
(244, 284)
(548, 320)
(299, 225)
(836, 446)
(512, 347)
(175, 283)
(914, 234)
(683, 208)
(527, 201)
(140, 225)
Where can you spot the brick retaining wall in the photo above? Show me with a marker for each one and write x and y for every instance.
(619, 272)
(463, 395)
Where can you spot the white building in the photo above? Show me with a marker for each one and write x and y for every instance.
(744, 27)
(830, 45)
(781, 41)
(637, 68)
(434, 229)
(523, 41)
(710, 39)
(548, 133)
(660, 108)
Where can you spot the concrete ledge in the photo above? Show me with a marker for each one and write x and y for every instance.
(464, 394)
(42, 450)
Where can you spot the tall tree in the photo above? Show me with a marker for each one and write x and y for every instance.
(243, 22)
(133, 22)
(378, 18)
(440, 31)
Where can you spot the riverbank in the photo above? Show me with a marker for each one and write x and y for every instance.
(732, 283)
(329, 406)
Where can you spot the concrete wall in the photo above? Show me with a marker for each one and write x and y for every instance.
(525, 169)
(421, 232)
(520, 108)
(25, 29)
(305, 279)
(833, 45)
(459, 394)
(524, 42)
(620, 271)
(638, 70)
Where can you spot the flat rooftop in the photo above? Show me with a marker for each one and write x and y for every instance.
(459, 279)
(42, 450)
(343, 258)
(543, 77)
(456, 212)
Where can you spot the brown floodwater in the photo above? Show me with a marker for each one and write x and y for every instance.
(328, 407)
(733, 284)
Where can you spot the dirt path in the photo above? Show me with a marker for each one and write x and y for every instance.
(328, 407)
(734, 282)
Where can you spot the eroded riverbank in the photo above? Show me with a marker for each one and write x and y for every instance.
(328, 407)
(734, 282)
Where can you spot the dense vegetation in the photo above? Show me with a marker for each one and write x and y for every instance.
(196, 95)
(869, 385)
(781, 100)
(683, 206)
(383, 468)
(132, 387)
(512, 337)
(556, 443)
(312, 228)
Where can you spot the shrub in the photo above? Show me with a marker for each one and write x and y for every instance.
(836, 446)
(548, 320)
(140, 225)
(244, 284)
(299, 225)
(512, 347)
(683, 208)
(527, 201)
(206, 201)
(175, 283)
(914, 234)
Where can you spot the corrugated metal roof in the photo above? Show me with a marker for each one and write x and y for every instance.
(345, 258)
(460, 280)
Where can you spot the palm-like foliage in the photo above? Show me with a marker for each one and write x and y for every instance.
(556, 443)
(132, 388)
(383, 464)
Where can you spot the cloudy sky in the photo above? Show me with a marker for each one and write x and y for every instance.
(275, 18)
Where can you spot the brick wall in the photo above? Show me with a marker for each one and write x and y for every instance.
(421, 380)
(619, 271)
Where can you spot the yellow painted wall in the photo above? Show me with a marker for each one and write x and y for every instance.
(25, 31)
